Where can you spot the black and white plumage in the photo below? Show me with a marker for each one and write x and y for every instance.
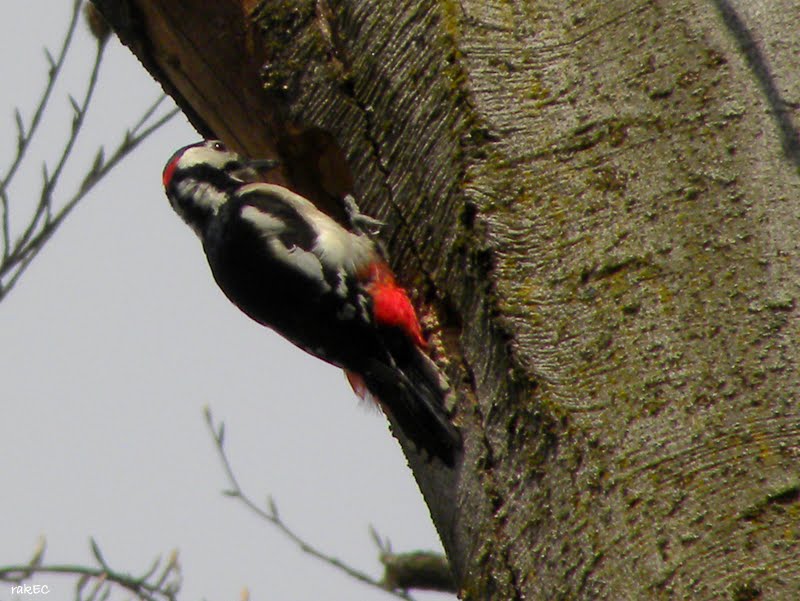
(292, 268)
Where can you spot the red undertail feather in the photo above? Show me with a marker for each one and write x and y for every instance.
(391, 305)
(406, 385)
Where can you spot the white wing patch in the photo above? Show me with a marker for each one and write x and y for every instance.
(270, 228)
(337, 248)
(267, 225)
(341, 283)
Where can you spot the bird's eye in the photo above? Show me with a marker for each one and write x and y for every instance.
(218, 146)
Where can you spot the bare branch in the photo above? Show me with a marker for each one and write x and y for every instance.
(54, 70)
(271, 515)
(161, 582)
(46, 199)
(49, 214)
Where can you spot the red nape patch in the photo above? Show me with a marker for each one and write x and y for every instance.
(391, 305)
(166, 177)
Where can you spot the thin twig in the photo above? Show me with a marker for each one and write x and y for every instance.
(147, 114)
(51, 180)
(4, 204)
(25, 137)
(270, 514)
(128, 144)
(49, 215)
(164, 588)
(23, 253)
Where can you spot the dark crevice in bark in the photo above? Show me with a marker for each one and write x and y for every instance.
(790, 138)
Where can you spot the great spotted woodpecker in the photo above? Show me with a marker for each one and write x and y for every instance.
(328, 290)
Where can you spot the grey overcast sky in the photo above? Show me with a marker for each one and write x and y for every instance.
(114, 340)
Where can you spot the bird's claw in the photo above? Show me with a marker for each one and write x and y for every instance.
(361, 223)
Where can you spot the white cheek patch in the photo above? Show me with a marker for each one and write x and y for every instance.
(203, 194)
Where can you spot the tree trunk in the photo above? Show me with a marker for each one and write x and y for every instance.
(595, 204)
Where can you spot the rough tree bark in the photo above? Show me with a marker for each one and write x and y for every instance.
(595, 204)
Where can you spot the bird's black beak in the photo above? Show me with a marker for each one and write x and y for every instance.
(263, 164)
(252, 170)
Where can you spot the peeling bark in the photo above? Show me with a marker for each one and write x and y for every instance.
(595, 204)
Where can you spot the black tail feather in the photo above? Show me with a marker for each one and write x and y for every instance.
(415, 398)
